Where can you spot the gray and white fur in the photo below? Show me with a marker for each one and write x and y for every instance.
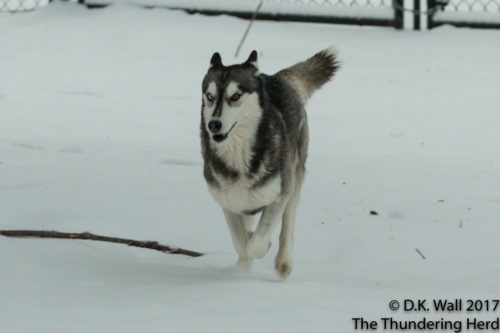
(254, 138)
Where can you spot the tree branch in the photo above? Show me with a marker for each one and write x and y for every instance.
(88, 236)
(254, 16)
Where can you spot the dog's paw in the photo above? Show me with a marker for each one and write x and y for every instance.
(283, 266)
(243, 264)
(257, 247)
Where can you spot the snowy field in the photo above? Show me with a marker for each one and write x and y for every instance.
(99, 118)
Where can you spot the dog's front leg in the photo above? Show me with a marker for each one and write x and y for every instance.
(238, 225)
(258, 245)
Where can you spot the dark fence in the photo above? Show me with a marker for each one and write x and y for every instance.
(401, 14)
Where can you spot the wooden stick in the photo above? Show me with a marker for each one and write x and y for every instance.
(254, 15)
(88, 236)
(420, 253)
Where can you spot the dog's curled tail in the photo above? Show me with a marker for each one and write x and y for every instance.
(308, 76)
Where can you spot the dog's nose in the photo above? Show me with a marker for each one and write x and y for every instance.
(214, 126)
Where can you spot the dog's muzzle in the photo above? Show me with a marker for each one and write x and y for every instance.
(222, 137)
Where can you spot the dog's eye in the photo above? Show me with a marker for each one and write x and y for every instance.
(235, 97)
(210, 97)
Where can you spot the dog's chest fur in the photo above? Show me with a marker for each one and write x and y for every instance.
(245, 193)
(240, 197)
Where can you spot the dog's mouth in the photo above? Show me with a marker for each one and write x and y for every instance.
(222, 137)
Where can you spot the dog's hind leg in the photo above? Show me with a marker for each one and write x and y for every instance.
(237, 224)
(283, 261)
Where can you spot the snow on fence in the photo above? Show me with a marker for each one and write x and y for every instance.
(21, 5)
(401, 14)
(480, 13)
(306, 8)
(373, 12)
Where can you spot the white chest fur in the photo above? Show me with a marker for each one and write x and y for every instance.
(238, 196)
(236, 152)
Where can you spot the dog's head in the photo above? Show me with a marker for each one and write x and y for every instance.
(230, 96)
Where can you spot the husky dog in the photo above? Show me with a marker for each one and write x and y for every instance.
(254, 138)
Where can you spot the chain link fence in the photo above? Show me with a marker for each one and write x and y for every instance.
(13, 6)
(453, 5)
(305, 7)
(335, 3)
(371, 12)
(491, 6)
(469, 13)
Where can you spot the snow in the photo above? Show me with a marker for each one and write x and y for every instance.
(99, 117)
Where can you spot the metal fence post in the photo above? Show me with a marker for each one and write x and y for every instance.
(397, 5)
(416, 14)
(422, 15)
(404, 11)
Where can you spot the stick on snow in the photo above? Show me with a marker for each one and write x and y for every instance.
(420, 253)
(88, 236)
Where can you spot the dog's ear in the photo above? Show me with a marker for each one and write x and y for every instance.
(252, 60)
(216, 60)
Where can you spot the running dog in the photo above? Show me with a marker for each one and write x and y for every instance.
(254, 138)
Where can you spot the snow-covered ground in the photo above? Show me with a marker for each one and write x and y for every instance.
(99, 117)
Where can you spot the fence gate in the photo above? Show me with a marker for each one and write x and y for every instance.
(400, 14)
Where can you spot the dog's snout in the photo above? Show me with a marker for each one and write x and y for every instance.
(214, 126)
